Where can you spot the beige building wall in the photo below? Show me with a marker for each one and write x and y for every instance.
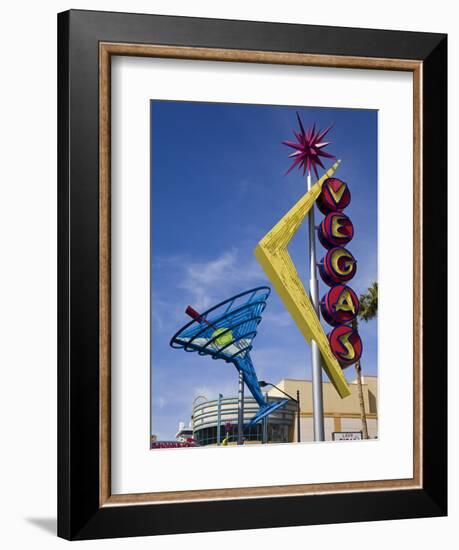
(341, 415)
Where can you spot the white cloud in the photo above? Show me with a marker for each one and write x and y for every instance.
(208, 282)
(280, 319)
(277, 362)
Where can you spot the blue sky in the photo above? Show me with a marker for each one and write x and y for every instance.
(217, 187)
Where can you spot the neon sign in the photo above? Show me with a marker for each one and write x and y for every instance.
(340, 305)
(335, 196)
(338, 266)
(335, 230)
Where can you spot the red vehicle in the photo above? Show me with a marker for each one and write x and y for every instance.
(172, 444)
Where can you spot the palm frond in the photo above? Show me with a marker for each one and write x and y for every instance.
(369, 303)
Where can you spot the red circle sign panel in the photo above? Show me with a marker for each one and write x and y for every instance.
(345, 344)
(335, 196)
(340, 305)
(338, 266)
(336, 229)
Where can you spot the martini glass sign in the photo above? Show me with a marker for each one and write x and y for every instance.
(340, 305)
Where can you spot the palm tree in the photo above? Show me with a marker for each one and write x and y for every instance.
(368, 310)
(369, 303)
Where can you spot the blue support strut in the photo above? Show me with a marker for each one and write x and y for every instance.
(245, 365)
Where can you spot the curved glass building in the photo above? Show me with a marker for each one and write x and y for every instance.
(207, 415)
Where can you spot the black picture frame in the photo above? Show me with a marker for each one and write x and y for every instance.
(80, 515)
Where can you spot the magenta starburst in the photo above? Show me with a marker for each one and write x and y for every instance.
(308, 148)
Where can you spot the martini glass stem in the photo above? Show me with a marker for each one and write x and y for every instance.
(317, 395)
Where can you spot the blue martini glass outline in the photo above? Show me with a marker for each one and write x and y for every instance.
(250, 312)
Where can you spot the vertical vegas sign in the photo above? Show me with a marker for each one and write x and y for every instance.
(340, 305)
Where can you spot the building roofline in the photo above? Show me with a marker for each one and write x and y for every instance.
(324, 382)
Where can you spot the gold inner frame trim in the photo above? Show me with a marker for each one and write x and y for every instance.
(106, 51)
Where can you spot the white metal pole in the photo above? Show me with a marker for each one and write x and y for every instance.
(219, 418)
(317, 395)
(264, 436)
(240, 419)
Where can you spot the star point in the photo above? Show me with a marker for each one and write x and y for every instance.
(308, 147)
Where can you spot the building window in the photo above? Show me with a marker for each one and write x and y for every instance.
(372, 402)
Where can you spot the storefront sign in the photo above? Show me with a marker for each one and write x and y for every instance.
(347, 436)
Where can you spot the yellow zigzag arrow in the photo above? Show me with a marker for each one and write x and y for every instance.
(274, 258)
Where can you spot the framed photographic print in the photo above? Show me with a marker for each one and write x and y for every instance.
(252, 274)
